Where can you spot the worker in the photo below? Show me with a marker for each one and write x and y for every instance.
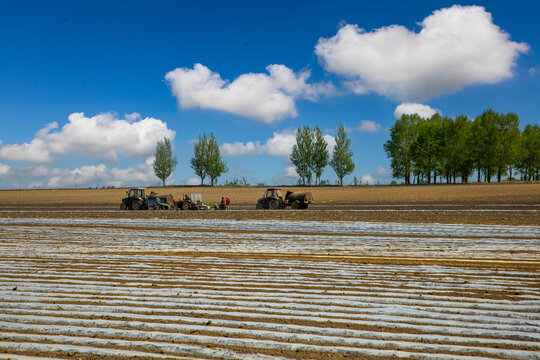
(222, 205)
(228, 202)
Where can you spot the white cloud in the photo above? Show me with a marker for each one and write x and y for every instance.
(456, 47)
(379, 174)
(368, 179)
(382, 173)
(424, 111)
(4, 170)
(103, 175)
(281, 144)
(262, 97)
(532, 71)
(287, 176)
(193, 181)
(365, 126)
(103, 136)
(369, 126)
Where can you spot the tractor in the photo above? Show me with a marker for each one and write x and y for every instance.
(135, 200)
(273, 199)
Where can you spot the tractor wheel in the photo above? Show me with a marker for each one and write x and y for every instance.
(295, 205)
(303, 206)
(273, 204)
(185, 206)
(259, 206)
(123, 206)
(136, 205)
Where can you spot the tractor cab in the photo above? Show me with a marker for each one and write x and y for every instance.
(136, 193)
(273, 193)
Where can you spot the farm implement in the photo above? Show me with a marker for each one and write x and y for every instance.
(273, 199)
(136, 199)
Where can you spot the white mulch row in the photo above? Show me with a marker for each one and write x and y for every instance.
(163, 303)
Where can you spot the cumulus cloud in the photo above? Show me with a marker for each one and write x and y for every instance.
(281, 144)
(263, 97)
(373, 178)
(424, 111)
(101, 174)
(103, 136)
(456, 47)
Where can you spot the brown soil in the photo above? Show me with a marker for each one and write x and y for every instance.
(509, 204)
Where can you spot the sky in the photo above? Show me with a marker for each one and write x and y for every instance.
(87, 88)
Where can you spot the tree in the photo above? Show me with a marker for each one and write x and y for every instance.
(529, 156)
(215, 165)
(342, 156)
(485, 133)
(164, 161)
(198, 162)
(207, 159)
(321, 155)
(398, 148)
(302, 153)
(507, 142)
(426, 147)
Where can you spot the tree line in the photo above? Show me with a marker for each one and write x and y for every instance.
(491, 144)
(310, 155)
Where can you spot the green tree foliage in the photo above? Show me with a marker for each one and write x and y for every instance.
(426, 147)
(164, 161)
(321, 155)
(342, 156)
(507, 142)
(452, 148)
(207, 159)
(302, 153)
(528, 157)
(398, 148)
(485, 143)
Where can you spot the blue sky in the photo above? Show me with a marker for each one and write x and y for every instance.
(98, 72)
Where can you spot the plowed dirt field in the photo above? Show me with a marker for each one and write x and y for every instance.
(452, 272)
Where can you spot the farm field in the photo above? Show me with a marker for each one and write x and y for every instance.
(339, 281)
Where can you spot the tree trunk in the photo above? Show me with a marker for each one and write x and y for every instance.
(163, 182)
(479, 173)
(499, 174)
(341, 181)
(510, 173)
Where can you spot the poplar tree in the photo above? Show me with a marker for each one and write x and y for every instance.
(302, 154)
(164, 161)
(207, 159)
(321, 155)
(342, 155)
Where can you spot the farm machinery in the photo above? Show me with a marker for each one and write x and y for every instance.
(273, 199)
(137, 199)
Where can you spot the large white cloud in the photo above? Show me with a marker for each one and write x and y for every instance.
(263, 97)
(456, 47)
(424, 111)
(96, 175)
(281, 144)
(103, 136)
